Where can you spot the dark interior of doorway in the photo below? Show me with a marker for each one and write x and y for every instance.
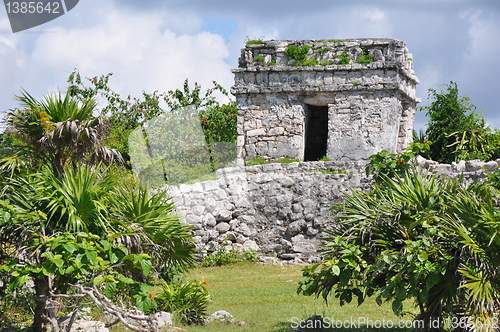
(316, 132)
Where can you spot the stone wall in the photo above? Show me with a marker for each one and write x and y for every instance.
(364, 107)
(276, 209)
(282, 209)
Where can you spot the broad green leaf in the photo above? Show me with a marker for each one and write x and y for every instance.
(400, 293)
(91, 255)
(397, 307)
(335, 270)
(146, 266)
(110, 289)
(98, 280)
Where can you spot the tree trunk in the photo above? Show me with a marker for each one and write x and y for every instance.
(41, 321)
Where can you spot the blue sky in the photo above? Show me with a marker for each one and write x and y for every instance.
(156, 44)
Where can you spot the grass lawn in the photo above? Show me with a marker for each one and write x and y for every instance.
(265, 298)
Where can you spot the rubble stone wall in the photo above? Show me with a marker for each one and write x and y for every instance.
(282, 209)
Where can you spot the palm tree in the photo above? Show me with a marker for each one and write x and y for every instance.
(89, 199)
(57, 131)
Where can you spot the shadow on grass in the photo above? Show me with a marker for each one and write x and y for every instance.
(287, 327)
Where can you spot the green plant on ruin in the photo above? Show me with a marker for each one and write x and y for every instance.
(326, 63)
(365, 58)
(287, 160)
(336, 41)
(257, 161)
(297, 53)
(272, 63)
(258, 58)
(254, 42)
(324, 158)
(355, 83)
(344, 59)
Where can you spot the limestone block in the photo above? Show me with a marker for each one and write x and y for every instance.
(241, 238)
(209, 220)
(296, 227)
(244, 219)
(222, 227)
(194, 221)
(164, 319)
(490, 166)
(222, 215)
(459, 167)
(303, 246)
(250, 245)
(440, 168)
(474, 165)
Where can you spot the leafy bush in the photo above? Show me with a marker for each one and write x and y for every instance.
(365, 58)
(385, 164)
(456, 131)
(344, 59)
(297, 53)
(188, 300)
(420, 237)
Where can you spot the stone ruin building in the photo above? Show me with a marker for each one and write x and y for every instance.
(343, 99)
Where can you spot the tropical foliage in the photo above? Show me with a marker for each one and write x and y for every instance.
(74, 227)
(456, 131)
(57, 131)
(217, 120)
(421, 238)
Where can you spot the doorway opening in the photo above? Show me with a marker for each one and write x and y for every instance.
(316, 130)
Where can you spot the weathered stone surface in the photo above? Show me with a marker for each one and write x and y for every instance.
(222, 227)
(289, 204)
(364, 107)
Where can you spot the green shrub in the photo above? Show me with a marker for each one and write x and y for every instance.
(255, 42)
(494, 178)
(187, 300)
(324, 158)
(385, 164)
(365, 58)
(258, 58)
(344, 59)
(297, 53)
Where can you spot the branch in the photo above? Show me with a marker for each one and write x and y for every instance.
(149, 323)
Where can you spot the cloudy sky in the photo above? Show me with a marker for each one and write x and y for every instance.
(156, 44)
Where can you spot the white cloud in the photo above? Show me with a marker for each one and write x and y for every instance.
(138, 48)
